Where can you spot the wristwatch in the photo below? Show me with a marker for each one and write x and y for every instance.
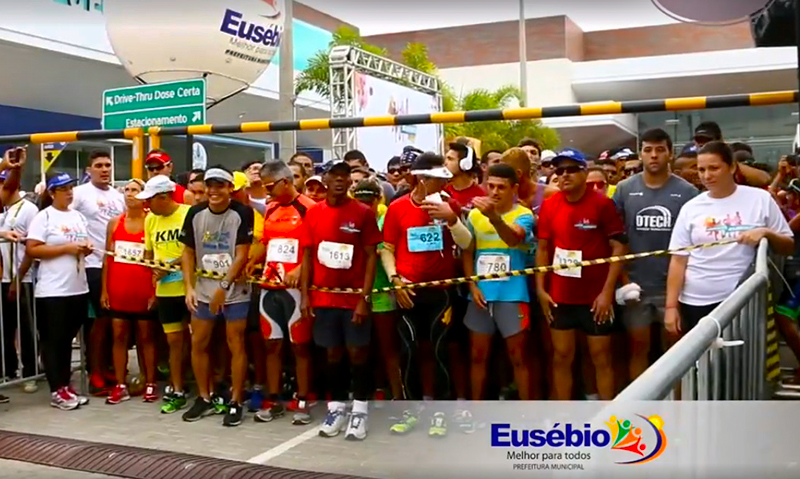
(368, 298)
(226, 285)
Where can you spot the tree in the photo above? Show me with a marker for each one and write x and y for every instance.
(494, 135)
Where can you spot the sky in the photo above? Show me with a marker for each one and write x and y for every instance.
(390, 16)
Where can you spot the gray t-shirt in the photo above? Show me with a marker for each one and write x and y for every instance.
(214, 238)
(649, 216)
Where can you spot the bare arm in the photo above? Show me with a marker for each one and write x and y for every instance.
(780, 243)
(187, 265)
(239, 262)
(372, 263)
(512, 235)
(39, 250)
(542, 259)
(754, 176)
(675, 279)
(112, 225)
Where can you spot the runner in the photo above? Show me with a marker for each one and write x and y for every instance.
(197, 188)
(58, 237)
(305, 161)
(407, 159)
(255, 189)
(162, 227)
(129, 295)
(534, 151)
(501, 229)
(577, 225)
(648, 203)
(490, 158)
(279, 306)
(299, 176)
(462, 163)
(98, 202)
(217, 236)
(338, 239)
(384, 306)
(531, 193)
(159, 163)
(417, 248)
(315, 189)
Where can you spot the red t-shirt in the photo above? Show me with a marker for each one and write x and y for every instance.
(418, 266)
(580, 231)
(464, 197)
(337, 237)
(177, 195)
(282, 226)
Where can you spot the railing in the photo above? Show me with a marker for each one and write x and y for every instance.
(723, 357)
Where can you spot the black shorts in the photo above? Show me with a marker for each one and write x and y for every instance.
(94, 276)
(172, 313)
(146, 316)
(334, 328)
(431, 315)
(578, 316)
(253, 316)
(691, 315)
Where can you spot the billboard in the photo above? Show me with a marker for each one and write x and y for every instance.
(376, 97)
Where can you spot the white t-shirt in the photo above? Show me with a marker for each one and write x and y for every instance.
(98, 207)
(712, 274)
(64, 275)
(16, 217)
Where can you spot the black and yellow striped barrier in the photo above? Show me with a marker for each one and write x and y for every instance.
(586, 109)
(773, 361)
(445, 282)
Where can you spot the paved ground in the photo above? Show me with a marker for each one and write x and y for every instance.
(24, 470)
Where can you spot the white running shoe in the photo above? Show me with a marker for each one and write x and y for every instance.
(357, 427)
(63, 400)
(334, 423)
(30, 387)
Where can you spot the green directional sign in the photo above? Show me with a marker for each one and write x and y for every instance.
(181, 103)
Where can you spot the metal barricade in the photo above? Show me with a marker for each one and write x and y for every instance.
(723, 357)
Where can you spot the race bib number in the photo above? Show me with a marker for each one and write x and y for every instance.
(494, 264)
(283, 250)
(566, 257)
(425, 238)
(335, 255)
(128, 249)
(217, 263)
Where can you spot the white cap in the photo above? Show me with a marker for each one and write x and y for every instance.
(315, 178)
(441, 173)
(156, 186)
(547, 155)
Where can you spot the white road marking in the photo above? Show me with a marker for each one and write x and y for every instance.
(276, 451)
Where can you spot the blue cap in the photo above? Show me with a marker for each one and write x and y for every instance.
(61, 179)
(569, 154)
(689, 148)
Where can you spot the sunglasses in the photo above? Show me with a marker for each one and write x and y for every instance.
(632, 171)
(272, 185)
(570, 170)
(401, 170)
(598, 185)
(156, 167)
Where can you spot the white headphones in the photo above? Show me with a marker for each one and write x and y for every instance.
(468, 162)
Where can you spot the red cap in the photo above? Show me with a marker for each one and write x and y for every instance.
(158, 157)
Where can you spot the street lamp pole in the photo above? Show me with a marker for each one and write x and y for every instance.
(523, 54)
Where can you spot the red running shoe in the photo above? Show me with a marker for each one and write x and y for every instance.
(150, 393)
(97, 385)
(118, 394)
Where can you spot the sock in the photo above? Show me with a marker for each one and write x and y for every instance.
(336, 406)
(360, 407)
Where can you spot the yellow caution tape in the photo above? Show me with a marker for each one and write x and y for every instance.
(162, 265)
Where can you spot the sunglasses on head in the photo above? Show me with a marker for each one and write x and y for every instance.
(156, 166)
(570, 170)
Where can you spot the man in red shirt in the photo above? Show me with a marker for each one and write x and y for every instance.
(158, 162)
(575, 225)
(339, 238)
(421, 232)
(466, 169)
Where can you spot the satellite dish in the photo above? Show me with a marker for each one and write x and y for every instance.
(229, 43)
(711, 12)
(199, 157)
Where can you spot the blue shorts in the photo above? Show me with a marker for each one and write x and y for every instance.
(230, 312)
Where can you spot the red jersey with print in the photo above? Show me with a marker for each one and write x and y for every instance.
(337, 236)
(130, 285)
(464, 197)
(578, 232)
(282, 229)
(424, 249)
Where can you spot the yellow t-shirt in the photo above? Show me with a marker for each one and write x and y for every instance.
(610, 190)
(258, 226)
(161, 237)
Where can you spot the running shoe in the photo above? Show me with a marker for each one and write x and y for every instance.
(464, 421)
(63, 400)
(256, 401)
(30, 387)
(118, 394)
(4, 399)
(175, 403)
(234, 415)
(97, 386)
(150, 393)
(82, 400)
(220, 407)
(406, 424)
(334, 423)
(199, 410)
(357, 427)
(302, 412)
(438, 425)
(270, 411)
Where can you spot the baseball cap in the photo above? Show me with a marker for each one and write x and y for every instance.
(569, 154)
(155, 186)
(158, 157)
(709, 130)
(624, 154)
(240, 181)
(318, 179)
(794, 185)
(689, 149)
(367, 189)
(430, 165)
(410, 153)
(61, 179)
(547, 155)
(338, 166)
(218, 174)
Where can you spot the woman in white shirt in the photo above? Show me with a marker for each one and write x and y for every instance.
(698, 281)
(58, 239)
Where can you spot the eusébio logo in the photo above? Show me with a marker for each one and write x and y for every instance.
(638, 440)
